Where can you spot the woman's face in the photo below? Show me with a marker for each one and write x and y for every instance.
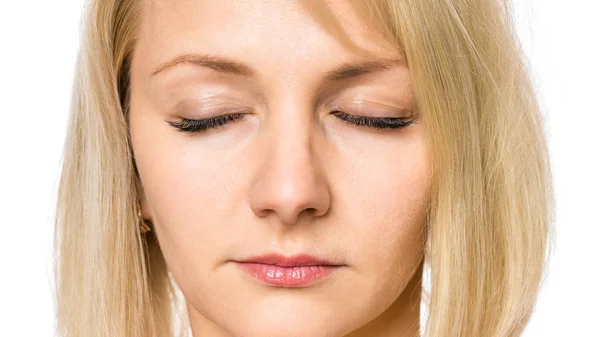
(339, 207)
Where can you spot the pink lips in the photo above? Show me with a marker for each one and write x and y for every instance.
(294, 271)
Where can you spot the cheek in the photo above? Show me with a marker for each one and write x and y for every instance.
(394, 198)
(190, 187)
(385, 205)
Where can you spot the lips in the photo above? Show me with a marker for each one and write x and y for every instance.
(293, 271)
(291, 261)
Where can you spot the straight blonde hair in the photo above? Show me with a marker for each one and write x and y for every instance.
(489, 225)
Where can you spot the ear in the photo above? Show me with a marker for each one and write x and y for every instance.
(144, 205)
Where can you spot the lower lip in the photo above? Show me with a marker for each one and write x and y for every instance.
(299, 276)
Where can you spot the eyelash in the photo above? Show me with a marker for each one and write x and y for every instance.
(201, 125)
(375, 122)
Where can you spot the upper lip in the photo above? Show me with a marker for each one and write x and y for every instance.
(289, 261)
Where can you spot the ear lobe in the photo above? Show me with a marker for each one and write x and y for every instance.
(143, 200)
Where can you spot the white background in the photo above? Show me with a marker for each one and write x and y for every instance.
(38, 45)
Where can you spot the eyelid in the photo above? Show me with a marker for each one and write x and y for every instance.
(208, 110)
(381, 109)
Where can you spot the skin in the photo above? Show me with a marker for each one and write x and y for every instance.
(289, 178)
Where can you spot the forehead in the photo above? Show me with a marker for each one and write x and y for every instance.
(284, 37)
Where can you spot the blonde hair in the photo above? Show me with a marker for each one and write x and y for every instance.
(492, 204)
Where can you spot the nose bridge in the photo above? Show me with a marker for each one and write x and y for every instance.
(290, 181)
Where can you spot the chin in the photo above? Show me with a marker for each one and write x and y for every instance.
(293, 319)
(285, 329)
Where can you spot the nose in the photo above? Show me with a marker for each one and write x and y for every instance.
(290, 182)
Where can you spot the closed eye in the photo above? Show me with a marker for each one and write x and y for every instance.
(375, 122)
(201, 125)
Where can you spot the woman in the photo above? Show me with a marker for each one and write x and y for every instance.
(293, 168)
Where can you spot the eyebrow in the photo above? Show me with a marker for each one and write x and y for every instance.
(228, 66)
